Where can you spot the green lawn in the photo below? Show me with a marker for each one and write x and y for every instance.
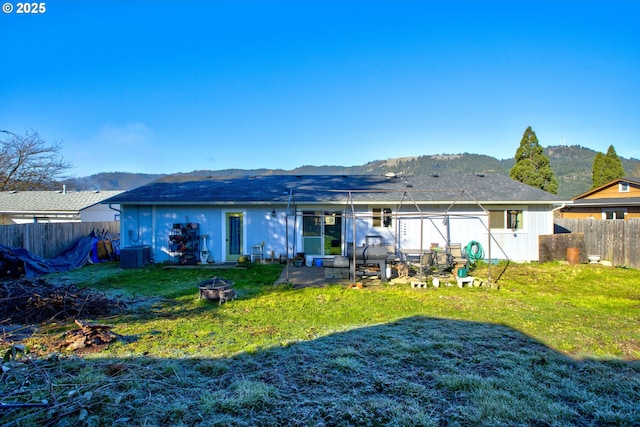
(553, 345)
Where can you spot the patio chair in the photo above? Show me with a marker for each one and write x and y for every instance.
(427, 262)
(441, 262)
(257, 253)
(458, 258)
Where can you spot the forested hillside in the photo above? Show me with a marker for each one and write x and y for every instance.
(572, 166)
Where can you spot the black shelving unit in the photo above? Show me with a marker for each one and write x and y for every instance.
(184, 243)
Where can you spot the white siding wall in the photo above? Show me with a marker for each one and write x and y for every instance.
(150, 225)
(263, 228)
(520, 244)
(462, 226)
(99, 213)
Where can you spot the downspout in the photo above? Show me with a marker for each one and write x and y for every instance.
(110, 206)
(564, 204)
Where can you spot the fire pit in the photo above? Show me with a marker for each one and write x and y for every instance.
(217, 289)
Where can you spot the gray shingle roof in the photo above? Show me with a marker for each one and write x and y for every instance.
(51, 201)
(332, 188)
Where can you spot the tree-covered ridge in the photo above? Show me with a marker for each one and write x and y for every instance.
(572, 166)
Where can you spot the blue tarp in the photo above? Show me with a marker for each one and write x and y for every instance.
(75, 257)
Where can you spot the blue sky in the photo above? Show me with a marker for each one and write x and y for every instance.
(176, 86)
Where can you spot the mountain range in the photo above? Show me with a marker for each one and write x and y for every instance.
(572, 166)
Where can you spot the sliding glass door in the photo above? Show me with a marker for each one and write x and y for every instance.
(322, 232)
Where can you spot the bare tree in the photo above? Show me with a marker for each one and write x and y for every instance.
(27, 162)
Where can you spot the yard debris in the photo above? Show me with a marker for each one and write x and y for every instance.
(89, 337)
(27, 301)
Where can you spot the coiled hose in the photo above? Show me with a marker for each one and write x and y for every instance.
(474, 251)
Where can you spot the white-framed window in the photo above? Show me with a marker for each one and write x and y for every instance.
(614, 213)
(381, 217)
(507, 219)
(623, 187)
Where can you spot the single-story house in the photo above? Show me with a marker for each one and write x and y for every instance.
(20, 207)
(190, 219)
(618, 199)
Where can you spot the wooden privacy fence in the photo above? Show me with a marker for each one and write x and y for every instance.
(49, 240)
(555, 246)
(617, 241)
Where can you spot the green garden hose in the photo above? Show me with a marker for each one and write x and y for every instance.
(474, 251)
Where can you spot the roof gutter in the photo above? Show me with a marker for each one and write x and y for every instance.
(562, 206)
(605, 204)
(110, 205)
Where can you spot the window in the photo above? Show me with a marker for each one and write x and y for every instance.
(381, 217)
(613, 214)
(496, 219)
(514, 219)
(386, 219)
(623, 187)
(377, 217)
(506, 219)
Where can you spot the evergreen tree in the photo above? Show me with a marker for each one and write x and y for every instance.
(614, 164)
(606, 168)
(598, 171)
(532, 166)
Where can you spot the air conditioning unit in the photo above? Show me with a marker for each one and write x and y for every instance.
(135, 256)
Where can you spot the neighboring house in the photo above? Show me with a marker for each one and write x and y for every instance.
(321, 215)
(19, 207)
(618, 199)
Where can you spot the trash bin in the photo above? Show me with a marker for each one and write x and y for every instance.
(573, 254)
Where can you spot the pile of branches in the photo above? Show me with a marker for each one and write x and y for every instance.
(32, 301)
(89, 337)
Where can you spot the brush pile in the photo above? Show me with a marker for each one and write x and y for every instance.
(32, 301)
(90, 337)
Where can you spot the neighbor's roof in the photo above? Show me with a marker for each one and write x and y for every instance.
(50, 201)
(182, 189)
(635, 181)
